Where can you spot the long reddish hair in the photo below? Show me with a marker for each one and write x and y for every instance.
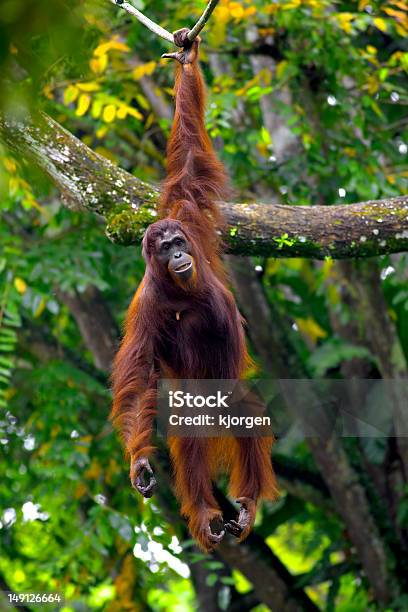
(190, 331)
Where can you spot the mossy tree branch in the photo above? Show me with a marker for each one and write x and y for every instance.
(129, 205)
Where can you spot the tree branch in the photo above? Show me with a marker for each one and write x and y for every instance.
(101, 336)
(158, 30)
(129, 205)
(153, 27)
(194, 32)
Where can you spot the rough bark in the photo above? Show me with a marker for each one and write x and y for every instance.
(207, 598)
(42, 345)
(273, 584)
(272, 344)
(373, 327)
(352, 505)
(386, 346)
(92, 182)
(244, 603)
(302, 483)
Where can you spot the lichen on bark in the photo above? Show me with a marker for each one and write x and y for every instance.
(129, 204)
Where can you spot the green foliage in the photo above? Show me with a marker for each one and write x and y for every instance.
(10, 321)
(332, 354)
(334, 76)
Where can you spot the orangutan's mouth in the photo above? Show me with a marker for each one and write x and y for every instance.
(183, 267)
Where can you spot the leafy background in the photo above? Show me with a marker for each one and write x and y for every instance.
(307, 105)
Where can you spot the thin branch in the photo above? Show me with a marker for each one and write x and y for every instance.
(90, 181)
(158, 30)
(153, 27)
(194, 32)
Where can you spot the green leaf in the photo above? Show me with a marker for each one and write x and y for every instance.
(332, 353)
(211, 579)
